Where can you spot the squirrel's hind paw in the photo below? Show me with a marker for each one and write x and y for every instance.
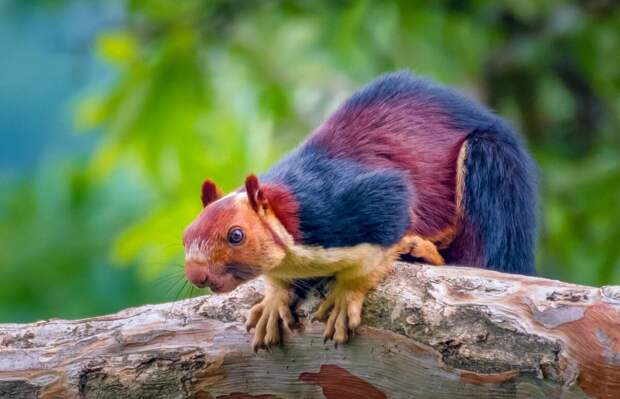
(421, 248)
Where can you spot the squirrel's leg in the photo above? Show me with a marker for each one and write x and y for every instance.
(420, 248)
(342, 309)
(270, 314)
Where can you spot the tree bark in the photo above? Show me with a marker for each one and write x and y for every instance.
(441, 332)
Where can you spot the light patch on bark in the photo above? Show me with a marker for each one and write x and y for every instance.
(437, 332)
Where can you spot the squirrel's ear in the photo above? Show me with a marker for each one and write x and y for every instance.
(209, 193)
(256, 196)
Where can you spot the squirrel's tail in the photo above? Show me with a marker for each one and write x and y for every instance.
(499, 205)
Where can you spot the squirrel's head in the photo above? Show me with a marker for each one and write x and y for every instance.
(238, 236)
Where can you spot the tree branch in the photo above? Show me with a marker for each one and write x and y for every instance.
(439, 332)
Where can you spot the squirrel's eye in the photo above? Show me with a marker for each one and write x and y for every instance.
(235, 236)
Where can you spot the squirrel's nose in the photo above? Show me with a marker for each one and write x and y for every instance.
(197, 274)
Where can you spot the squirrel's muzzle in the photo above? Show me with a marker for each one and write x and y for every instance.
(197, 274)
(201, 275)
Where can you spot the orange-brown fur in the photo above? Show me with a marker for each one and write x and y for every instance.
(271, 250)
(271, 247)
(208, 234)
(402, 167)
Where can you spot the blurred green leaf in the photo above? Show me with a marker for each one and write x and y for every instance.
(220, 89)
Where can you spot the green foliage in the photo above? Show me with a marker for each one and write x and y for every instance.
(220, 89)
(55, 231)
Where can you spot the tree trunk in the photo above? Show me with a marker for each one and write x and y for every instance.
(441, 332)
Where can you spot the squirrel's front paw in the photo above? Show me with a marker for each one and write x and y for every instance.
(343, 311)
(267, 317)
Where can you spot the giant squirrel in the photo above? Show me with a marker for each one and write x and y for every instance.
(404, 166)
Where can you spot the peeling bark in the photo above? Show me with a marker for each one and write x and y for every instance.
(441, 332)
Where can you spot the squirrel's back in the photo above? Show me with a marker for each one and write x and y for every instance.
(405, 155)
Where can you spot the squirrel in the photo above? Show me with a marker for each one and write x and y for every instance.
(404, 166)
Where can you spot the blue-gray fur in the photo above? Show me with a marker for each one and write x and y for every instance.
(500, 195)
(500, 198)
(465, 113)
(342, 203)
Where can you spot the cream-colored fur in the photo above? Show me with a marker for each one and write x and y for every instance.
(356, 270)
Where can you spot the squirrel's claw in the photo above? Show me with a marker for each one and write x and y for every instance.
(288, 320)
(343, 313)
(253, 316)
(268, 318)
(322, 313)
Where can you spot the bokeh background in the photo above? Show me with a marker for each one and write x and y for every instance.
(112, 112)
